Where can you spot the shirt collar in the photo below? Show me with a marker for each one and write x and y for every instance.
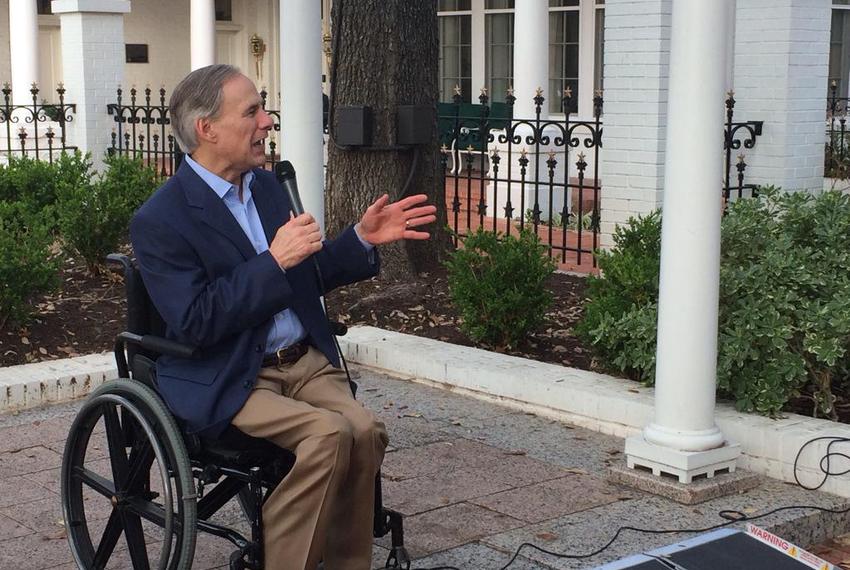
(218, 184)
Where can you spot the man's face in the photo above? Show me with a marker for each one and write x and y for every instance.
(241, 126)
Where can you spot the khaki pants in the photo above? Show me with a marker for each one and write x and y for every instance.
(324, 508)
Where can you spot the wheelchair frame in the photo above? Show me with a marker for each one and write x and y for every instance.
(140, 430)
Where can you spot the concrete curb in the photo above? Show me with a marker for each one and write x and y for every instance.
(32, 385)
(595, 401)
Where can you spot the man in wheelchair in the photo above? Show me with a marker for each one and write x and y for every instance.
(230, 270)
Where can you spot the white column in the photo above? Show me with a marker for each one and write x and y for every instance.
(587, 49)
(531, 56)
(478, 33)
(301, 99)
(92, 67)
(23, 47)
(202, 35)
(683, 439)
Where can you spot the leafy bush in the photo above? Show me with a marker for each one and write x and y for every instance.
(784, 322)
(620, 317)
(785, 299)
(27, 267)
(497, 284)
(94, 215)
(36, 182)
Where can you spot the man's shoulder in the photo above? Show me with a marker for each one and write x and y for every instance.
(168, 198)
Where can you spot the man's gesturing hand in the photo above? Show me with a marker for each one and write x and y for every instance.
(295, 241)
(384, 222)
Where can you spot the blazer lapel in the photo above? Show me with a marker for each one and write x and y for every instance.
(210, 210)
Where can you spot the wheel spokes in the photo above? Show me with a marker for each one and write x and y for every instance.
(117, 447)
(97, 482)
(141, 461)
(135, 539)
(108, 540)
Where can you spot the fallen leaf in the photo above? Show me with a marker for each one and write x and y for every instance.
(25, 340)
(547, 536)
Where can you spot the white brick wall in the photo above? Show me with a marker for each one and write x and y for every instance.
(637, 47)
(780, 75)
(93, 67)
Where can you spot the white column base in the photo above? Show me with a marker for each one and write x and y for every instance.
(684, 465)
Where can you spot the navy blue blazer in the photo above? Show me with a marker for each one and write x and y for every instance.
(216, 293)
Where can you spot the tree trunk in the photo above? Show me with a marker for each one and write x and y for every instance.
(386, 56)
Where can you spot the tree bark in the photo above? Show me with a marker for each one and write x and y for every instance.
(386, 56)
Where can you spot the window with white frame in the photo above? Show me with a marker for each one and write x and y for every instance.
(563, 52)
(455, 23)
(839, 47)
(499, 43)
(477, 48)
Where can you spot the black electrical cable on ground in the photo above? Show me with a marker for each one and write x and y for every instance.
(731, 516)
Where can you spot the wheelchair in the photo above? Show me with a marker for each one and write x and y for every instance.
(129, 468)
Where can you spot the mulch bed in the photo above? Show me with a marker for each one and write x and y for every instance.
(88, 311)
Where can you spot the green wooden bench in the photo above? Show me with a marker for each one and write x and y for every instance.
(460, 127)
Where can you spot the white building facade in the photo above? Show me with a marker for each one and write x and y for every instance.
(784, 53)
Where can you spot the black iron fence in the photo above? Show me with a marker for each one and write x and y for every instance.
(31, 129)
(836, 155)
(143, 129)
(508, 173)
(736, 135)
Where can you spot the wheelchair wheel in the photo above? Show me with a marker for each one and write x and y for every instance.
(125, 470)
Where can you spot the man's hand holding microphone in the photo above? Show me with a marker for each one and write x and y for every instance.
(383, 222)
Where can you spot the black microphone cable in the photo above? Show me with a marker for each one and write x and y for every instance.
(285, 174)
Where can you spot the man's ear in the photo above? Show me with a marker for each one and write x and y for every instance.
(205, 130)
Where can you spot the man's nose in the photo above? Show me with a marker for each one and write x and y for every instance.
(266, 122)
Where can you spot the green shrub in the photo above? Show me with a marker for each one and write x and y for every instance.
(94, 215)
(497, 285)
(27, 268)
(785, 299)
(620, 316)
(30, 181)
(35, 183)
(784, 321)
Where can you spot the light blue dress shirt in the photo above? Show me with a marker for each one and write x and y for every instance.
(287, 328)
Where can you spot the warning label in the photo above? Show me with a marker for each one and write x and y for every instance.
(788, 548)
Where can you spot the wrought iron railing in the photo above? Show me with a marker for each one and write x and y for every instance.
(143, 129)
(836, 155)
(524, 173)
(736, 135)
(509, 173)
(29, 128)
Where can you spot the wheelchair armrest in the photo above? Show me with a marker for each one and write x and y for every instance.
(159, 345)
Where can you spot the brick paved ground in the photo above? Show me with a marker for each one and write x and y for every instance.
(473, 479)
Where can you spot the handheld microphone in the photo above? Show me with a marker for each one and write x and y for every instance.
(285, 174)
